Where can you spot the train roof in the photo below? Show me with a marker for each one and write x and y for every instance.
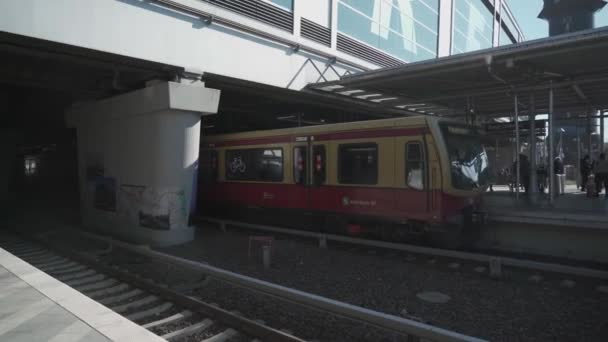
(335, 127)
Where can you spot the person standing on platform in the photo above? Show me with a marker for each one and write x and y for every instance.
(601, 175)
(586, 168)
(524, 172)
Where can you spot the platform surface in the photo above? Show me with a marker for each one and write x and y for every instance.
(36, 307)
(573, 208)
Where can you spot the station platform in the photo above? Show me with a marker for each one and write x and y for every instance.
(36, 307)
(571, 209)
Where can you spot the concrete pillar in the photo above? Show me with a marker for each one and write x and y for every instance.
(137, 161)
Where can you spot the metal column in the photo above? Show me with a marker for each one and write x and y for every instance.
(550, 166)
(579, 180)
(589, 137)
(517, 148)
(532, 126)
(602, 131)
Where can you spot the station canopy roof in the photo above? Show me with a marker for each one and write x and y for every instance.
(485, 81)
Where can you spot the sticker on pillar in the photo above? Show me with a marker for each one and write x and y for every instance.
(105, 194)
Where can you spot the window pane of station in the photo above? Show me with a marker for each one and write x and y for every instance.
(474, 22)
(358, 163)
(255, 165)
(286, 4)
(504, 38)
(406, 29)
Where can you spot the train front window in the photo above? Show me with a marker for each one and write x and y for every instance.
(469, 165)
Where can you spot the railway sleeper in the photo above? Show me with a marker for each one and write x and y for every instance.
(149, 312)
(43, 258)
(56, 265)
(120, 297)
(59, 272)
(108, 290)
(178, 317)
(77, 275)
(32, 254)
(96, 285)
(189, 330)
(140, 302)
(87, 280)
(223, 336)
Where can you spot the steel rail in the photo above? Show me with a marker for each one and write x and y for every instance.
(484, 258)
(349, 311)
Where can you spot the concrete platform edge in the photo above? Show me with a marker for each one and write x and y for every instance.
(105, 321)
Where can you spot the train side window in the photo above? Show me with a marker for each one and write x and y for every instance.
(299, 165)
(319, 163)
(258, 164)
(414, 166)
(358, 163)
(208, 167)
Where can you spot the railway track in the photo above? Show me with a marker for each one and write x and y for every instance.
(128, 279)
(167, 313)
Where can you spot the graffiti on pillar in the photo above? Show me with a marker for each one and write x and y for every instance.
(161, 209)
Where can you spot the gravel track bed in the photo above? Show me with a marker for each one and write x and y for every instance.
(514, 308)
(303, 322)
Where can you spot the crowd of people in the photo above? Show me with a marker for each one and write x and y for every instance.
(599, 170)
(595, 170)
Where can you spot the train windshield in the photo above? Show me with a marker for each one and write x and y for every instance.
(469, 165)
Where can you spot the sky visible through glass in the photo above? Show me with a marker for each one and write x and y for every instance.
(526, 13)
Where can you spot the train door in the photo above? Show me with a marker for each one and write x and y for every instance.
(413, 199)
(309, 172)
(300, 197)
(318, 197)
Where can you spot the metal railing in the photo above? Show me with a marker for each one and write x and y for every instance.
(483, 258)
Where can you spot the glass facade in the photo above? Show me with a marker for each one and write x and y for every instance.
(473, 26)
(286, 4)
(406, 29)
(504, 38)
(507, 24)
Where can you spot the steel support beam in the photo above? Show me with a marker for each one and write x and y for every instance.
(517, 147)
(551, 152)
(602, 133)
(533, 178)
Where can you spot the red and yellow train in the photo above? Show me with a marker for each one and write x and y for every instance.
(393, 177)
